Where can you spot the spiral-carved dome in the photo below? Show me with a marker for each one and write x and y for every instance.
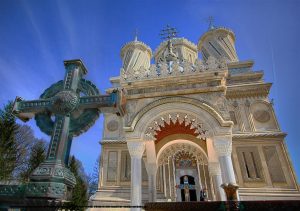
(218, 43)
(183, 48)
(135, 55)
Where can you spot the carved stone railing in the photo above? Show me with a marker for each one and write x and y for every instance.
(172, 68)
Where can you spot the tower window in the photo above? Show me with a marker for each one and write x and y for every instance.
(250, 163)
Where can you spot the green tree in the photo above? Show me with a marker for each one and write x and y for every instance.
(8, 146)
(37, 156)
(79, 194)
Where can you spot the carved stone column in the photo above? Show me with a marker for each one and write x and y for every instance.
(151, 170)
(164, 166)
(136, 150)
(223, 147)
(215, 173)
(249, 115)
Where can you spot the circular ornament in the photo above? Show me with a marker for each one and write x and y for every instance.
(261, 115)
(112, 125)
(64, 102)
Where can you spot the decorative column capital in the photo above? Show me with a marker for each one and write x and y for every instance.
(136, 149)
(151, 168)
(223, 145)
(214, 168)
(231, 191)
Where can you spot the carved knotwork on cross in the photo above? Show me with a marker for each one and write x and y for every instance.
(66, 109)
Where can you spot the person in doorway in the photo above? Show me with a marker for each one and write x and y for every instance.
(202, 195)
(186, 188)
(186, 193)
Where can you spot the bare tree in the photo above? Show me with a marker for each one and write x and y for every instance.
(93, 178)
(24, 140)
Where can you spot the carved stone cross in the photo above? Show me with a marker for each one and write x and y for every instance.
(66, 109)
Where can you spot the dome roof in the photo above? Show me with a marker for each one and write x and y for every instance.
(213, 31)
(136, 44)
(175, 41)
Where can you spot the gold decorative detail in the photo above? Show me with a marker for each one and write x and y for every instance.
(230, 191)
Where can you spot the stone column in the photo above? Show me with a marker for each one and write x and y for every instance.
(170, 170)
(151, 170)
(164, 179)
(223, 147)
(136, 150)
(215, 173)
(174, 179)
(119, 168)
(249, 115)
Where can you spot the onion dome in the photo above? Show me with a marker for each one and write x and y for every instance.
(218, 42)
(184, 50)
(136, 54)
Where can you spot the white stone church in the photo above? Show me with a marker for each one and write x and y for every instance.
(202, 122)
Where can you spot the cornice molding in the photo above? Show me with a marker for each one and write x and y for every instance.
(259, 135)
(248, 90)
(103, 142)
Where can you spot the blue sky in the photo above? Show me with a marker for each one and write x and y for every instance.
(36, 36)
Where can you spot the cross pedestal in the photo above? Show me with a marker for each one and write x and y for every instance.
(66, 109)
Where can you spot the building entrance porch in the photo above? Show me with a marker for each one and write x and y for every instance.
(183, 172)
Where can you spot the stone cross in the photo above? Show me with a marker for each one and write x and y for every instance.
(66, 109)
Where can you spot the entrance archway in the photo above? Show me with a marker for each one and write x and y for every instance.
(179, 158)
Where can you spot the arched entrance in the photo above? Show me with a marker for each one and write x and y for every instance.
(182, 165)
(150, 127)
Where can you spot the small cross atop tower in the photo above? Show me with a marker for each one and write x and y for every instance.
(168, 33)
(136, 32)
(210, 21)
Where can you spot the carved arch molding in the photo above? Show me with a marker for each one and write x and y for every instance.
(187, 120)
(131, 121)
(178, 148)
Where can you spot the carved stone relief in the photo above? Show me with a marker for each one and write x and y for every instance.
(187, 119)
(112, 125)
(174, 149)
(261, 115)
(178, 67)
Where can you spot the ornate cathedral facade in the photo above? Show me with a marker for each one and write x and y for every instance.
(191, 126)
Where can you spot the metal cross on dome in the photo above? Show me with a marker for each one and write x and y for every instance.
(66, 109)
(210, 21)
(168, 32)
